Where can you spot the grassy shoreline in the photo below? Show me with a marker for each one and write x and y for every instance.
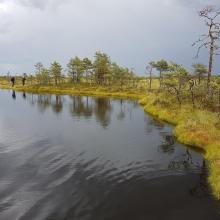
(193, 127)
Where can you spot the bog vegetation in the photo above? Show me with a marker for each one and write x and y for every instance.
(190, 100)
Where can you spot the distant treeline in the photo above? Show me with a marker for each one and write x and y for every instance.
(101, 71)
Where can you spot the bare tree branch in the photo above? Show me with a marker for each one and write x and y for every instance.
(210, 14)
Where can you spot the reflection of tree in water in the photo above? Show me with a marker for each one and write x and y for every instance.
(57, 105)
(135, 104)
(80, 108)
(24, 95)
(101, 107)
(121, 114)
(183, 161)
(168, 144)
(202, 188)
(31, 99)
(151, 123)
(102, 111)
(88, 108)
(43, 102)
(186, 162)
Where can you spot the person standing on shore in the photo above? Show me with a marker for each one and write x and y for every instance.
(12, 81)
(23, 80)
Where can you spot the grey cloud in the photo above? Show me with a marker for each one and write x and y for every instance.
(131, 32)
(31, 3)
(41, 4)
(38, 4)
(5, 26)
(197, 3)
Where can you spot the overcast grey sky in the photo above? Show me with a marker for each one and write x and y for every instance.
(131, 32)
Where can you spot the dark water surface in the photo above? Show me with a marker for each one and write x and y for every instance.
(82, 158)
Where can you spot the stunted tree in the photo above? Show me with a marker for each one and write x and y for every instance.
(119, 75)
(44, 76)
(75, 68)
(55, 71)
(200, 70)
(102, 66)
(209, 40)
(38, 66)
(115, 72)
(176, 78)
(161, 66)
(87, 67)
(123, 74)
(71, 69)
(150, 69)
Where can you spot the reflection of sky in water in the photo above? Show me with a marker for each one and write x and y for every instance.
(78, 150)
